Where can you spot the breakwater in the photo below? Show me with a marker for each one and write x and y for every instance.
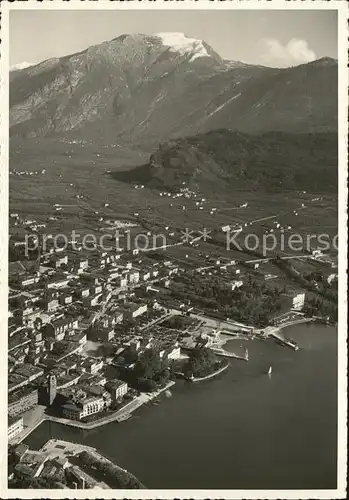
(211, 375)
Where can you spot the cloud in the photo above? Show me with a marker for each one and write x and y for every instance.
(296, 51)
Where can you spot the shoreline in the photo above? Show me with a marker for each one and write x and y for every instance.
(125, 413)
(54, 446)
(211, 375)
(120, 415)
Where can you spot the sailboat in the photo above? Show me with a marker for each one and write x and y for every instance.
(270, 370)
(246, 354)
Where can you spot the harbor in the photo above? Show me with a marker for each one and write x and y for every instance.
(236, 439)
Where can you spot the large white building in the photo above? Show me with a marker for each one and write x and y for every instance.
(83, 408)
(15, 426)
(298, 301)
(132, 310)
(175, 353)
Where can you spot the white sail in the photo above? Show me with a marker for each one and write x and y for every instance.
(269, 371)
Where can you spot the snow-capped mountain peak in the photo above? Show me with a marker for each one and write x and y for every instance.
(20, 66)
(178, 42)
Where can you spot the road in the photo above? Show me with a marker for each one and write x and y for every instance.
(276, 329)
(221, 325)
(287, 257)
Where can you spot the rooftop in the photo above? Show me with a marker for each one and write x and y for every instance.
(115, 383)
(21, 393)
(13, 420)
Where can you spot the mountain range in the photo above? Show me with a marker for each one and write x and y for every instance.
(141, 89)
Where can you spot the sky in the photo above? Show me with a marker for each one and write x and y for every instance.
(276, 38)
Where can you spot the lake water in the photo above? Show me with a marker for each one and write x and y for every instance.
(243, 430)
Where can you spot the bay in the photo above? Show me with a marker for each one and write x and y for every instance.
(243, 429)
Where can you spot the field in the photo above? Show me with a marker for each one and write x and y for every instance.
(75, 177)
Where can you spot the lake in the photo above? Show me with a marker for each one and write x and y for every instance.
(244, 429)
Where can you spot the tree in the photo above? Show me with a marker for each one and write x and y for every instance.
(201, 362)
(130, 355)
(86, 458)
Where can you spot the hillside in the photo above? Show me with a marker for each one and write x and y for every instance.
(140, 89)
(223, 159)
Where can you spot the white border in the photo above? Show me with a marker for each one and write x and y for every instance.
(341, 7)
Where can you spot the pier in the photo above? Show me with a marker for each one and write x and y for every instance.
(285, 341)
(274, 331)
(218, 351)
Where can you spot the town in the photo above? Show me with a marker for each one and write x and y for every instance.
(96, 334)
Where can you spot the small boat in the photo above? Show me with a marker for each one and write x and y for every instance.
(270, 370)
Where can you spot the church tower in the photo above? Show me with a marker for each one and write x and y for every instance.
(51, 388)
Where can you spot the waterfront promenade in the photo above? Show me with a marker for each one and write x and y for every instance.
(123, 414)
(275, 330)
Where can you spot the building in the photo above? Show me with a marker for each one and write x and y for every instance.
(51, 388)
(82, 408)
(133, 276)
(31, 464)
(117, 388)
(15, 426)
(83, 292)
(121, 282)
(51, 304)
(79, 478)
(92, 366)
(22, 400)
(298, 301)
(118, 315)
(174, 353)
(236, 284)
(101, 334)
(96, 289)
(81, 264)
(54, 469)
(58, 282)
(58, 260)
(79, 336)
(28, 280)
(65, 299)
(316, 253)
(145, 275)
(132, 310)
(23, 375)
(59, 327)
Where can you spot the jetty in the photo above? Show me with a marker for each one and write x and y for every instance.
(284, 341)
(211, 375)
(219, 351)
